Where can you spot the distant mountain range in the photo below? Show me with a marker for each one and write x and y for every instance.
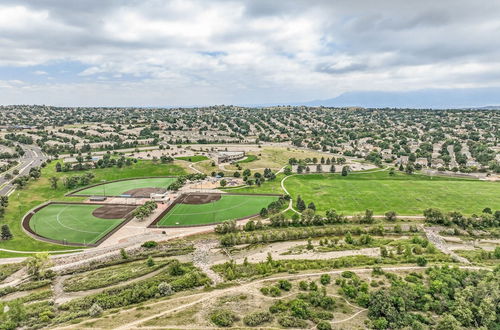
(484, 98)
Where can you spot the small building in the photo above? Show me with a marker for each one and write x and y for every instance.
(229, 156)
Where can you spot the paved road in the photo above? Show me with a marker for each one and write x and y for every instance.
(33, 157)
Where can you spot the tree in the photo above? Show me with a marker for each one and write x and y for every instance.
(223, 183)
(38, 264)
(345, 170)
(264, 212)
(421, 261)
(392, 172)
(332, 168)
(6, 234)
(301, 205)
(53, 182)
(58, 167)
(311, 206)
(448, 322)
(390, 216)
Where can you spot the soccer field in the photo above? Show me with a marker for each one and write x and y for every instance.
(72, 223)
(226, 208)
(405, 194)
(119, 187)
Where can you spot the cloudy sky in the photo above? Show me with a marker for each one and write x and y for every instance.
(189, 52)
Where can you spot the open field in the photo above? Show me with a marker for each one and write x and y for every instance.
(226, 208)
(405, 194)
(75, 223)
(38, 192)
(122, 187)
(193, 159)
(274, 157)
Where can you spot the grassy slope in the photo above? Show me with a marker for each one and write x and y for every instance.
(118, 188)
(21, 201)
(228, 207)
(405, 194)
(72, 223)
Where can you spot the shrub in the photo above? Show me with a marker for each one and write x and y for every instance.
(150, 262)
(303, 285)
(285, 285)
(95, 310)
(421, 261)
(223, 318)
(324, 325)
(325, 279)
(165, 289)
(149, 244)
(257, 318)
(292, 322)
(274, 291)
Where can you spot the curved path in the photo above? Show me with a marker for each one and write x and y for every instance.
(206, 296)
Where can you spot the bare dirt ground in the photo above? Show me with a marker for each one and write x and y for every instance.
(113, 211)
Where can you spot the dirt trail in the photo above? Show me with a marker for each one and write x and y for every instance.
(137, 323)
(60, 296)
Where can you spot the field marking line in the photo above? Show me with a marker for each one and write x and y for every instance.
(105, 231)
(62, 225)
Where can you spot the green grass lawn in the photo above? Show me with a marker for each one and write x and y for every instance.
(119, 187)
(71, 223)
(405, 194)
(37, 192)
(227, 208)
(248, 159)
(268, 187)
(193, 159)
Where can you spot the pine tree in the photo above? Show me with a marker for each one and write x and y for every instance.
(311, 206)
(344, 171)
(6, 234)
(301, 205)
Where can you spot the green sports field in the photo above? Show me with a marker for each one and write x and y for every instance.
(71, 223)
(405, 194)
(119, 187)
(227, 208)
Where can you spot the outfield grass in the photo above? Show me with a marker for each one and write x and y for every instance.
(193, 159)
(37, 192)
(119, 187)
(71, 223)
(405, 194)
(227, 208)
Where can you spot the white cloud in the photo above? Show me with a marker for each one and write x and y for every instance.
(255, 51)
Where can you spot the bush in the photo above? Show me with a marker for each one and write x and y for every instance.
(257, 318)
(285, 285)
(223, 318)
(149, 244)
(421, 261)
(95, 310)
(324, 325)
(292, 322)
(165, 289)
(274, 291)
(325, 279)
